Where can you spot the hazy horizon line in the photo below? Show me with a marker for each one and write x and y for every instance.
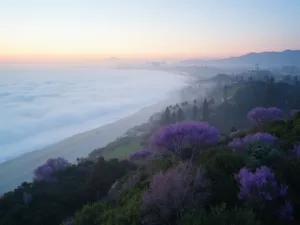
(113, 59)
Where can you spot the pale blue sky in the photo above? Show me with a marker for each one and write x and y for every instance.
(146, 28)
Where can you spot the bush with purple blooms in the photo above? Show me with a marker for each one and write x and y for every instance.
(141, 154)
(171, 193)
(260, 188)
(46, 171)
(241, 143)
(180, 137)
(263, 116)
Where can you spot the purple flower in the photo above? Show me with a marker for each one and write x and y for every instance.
(175, 190)
(45, 171)
(240, 143)
(175, 138)
(262, 116)
(286, 211)
(259, 186)
(26, 198)
(141, 154)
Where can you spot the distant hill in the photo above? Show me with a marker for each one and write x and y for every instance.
(284, 58)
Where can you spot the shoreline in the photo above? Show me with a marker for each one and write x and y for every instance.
(20, 169)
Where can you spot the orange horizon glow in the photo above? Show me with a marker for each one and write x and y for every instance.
(91, 31)
(77, 58)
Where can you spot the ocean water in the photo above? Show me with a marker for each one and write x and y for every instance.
(42, 106)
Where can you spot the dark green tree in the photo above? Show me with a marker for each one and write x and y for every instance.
(205, 110)
(174, 118)
(225, 93)
(180, 115)
(195, 112)
(167, 119)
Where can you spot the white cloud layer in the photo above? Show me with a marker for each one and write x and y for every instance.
(40, 107)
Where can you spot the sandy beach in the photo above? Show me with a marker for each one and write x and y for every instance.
(15, 171)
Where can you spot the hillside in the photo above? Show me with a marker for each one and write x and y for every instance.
(265, 59)
(232, 159)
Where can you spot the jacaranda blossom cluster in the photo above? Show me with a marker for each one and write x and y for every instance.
(262, 116)
(45, 172)
(260, 187)
(240, 143)
(175, 190)
(177, 137)
(141, 154)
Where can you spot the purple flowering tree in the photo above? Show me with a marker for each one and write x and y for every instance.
(172, 192)
(45, 172)
(178, 137)
(141, 154)
(262, 116)
(261, 187)
(240, 143)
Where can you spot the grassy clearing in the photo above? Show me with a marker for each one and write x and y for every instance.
(123, 151)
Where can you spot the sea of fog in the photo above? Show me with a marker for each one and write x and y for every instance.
(42, 106)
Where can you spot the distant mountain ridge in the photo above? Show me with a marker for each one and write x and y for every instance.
(284, 58)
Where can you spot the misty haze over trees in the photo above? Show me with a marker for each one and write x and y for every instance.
(206, 135)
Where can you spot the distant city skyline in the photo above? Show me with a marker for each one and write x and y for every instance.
(92, 30)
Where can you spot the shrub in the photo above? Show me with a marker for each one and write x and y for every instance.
(220, 215)
(259, 153)
(220, 164)
(127, 210)
(89, 214)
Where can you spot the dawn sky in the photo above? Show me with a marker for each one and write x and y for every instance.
(37, 30)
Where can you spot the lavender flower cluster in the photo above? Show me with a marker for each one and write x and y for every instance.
(45, 171)
(240, 143)
(262, 116)
(176, 189)
(176, 137)
(261, 186)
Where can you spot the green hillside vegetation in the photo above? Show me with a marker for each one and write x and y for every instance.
(182, 171)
